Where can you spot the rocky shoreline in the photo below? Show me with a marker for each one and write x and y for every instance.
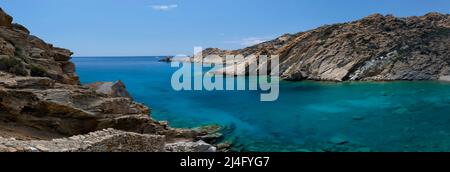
(43, 104)
(106, 140)
(45, 108)
(375, 48)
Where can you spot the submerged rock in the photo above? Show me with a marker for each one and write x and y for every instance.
(224, 147)
(358, 118)
(338, 140)
(210, 133)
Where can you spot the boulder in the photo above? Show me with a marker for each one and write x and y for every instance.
(198, 146)
(61, 54)
(115, 89)
(21, 28)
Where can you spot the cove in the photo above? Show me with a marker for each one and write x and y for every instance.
(308, 116)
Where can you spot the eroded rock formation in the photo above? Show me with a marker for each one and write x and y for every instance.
(107, 140)
(41, 97)
(378, 47)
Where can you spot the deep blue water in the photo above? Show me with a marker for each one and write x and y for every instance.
(308, 116)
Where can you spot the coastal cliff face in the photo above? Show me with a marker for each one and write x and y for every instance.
(23, 54)
(41, 97)
(378, 48)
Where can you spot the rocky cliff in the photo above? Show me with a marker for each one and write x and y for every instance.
(41, 97)
(378, 47)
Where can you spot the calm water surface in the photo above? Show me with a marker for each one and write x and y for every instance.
(309, 116)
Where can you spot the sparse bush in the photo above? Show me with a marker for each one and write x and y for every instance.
(38, 71)
(438, 32)
(13, 65)
(18, 52)
(443, 31)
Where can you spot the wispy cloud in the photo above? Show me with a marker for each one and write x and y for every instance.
(164, 7)
(253, 41)
(250, 41)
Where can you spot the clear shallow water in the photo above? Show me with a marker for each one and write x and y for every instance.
(309, 116)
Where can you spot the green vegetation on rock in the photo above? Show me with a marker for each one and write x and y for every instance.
(38, 71)
(14, 66)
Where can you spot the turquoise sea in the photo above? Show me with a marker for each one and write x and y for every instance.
(308, 116)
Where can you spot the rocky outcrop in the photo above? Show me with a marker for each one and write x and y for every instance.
(166, 59)
(23, 54)
(41, 98)
(67, 109)
(114, 89)
(5, 19)
(46, 105)
(107, 140)
(378, 47)
(199, 146)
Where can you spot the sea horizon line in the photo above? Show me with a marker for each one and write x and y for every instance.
(105, 56)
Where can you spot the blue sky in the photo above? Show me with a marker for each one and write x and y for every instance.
(169, 27)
